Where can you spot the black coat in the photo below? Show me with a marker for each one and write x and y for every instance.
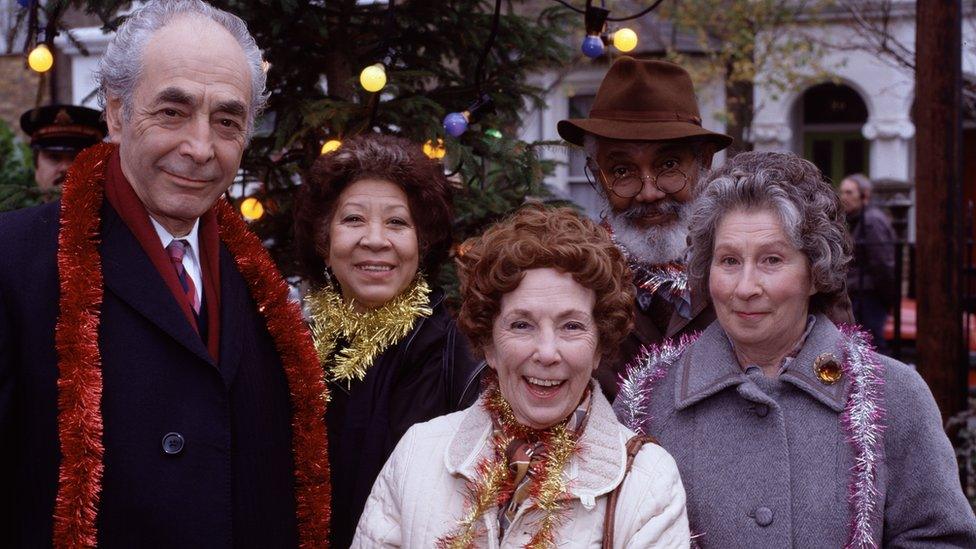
(231, 485)
(429, 373)
(873, 266)
(646, 333)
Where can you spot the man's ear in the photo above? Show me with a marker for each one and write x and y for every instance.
(113, 118)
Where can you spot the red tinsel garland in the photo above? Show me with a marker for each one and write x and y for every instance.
(306, 381)
(79, 361)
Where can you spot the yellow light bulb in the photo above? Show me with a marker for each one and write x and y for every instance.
(331, 145)
(373, 78)
(40, 59)
(435, 150)
(252, 209)
(625, 40)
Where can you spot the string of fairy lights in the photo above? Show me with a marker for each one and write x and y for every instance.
(599, 36)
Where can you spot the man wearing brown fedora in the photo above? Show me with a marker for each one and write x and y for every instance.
(647, 149)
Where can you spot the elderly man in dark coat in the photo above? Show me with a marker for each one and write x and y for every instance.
(646, 147)
(157, 388)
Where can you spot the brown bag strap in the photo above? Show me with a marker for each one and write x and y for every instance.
(634, 446)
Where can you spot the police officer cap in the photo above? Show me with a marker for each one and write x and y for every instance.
(63, 127)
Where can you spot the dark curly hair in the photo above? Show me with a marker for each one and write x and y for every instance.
(383, 157)
(533, 238)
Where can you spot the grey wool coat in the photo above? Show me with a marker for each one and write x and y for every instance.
(766, 462)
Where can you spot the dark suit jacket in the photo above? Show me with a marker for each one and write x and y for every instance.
(231, 485)
(646, 333)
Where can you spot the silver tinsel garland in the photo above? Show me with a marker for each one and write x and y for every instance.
(641, 376)
(863, 420)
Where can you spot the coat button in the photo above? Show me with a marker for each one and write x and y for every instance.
(763, 516)
(173, 443)
(761, 410)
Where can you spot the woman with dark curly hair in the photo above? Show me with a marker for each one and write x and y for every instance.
(540, 461)
(790, 431)
(373, 224)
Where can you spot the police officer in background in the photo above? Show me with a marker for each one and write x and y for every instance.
(57, 134)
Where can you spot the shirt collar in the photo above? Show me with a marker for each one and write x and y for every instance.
(709, 366)
(193, 238)
(811, 320)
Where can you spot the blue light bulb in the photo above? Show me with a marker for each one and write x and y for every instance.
(592, 46)
(455, 124)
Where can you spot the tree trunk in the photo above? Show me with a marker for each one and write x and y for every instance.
(739, 106)
(942, 358)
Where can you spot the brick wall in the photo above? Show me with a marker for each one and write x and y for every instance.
(18, 89)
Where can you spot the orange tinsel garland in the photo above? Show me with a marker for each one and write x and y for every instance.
(494, 483)
(79, 361)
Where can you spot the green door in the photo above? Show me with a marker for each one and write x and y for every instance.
(837, 154)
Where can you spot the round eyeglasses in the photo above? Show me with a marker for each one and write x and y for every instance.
(629, 182)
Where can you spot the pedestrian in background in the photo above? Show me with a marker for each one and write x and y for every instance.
(871, 275)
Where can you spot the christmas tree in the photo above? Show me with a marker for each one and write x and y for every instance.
(438, 58)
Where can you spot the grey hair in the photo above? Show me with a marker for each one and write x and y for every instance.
(863, 184)
(795, 191)
(120, 68)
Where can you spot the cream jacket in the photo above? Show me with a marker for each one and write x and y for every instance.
(420, 494)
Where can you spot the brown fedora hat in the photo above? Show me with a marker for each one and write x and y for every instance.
(643, 100)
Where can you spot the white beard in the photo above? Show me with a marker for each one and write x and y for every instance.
(657, 244)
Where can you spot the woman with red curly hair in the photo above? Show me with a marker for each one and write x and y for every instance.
(540, 460)
(373, 224)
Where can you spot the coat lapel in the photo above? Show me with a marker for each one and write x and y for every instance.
(715, 368)
(235, 306)
(824, 339)
(130, 275)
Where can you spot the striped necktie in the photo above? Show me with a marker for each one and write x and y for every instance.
(176, 250)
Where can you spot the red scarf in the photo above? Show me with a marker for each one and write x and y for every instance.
(79, 358)
(119, 193)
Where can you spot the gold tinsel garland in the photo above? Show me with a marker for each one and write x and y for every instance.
(367, 333)
(494, 484)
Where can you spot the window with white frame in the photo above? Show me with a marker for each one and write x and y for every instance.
(580, 189)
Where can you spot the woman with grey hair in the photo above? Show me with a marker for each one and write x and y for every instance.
(788, 430)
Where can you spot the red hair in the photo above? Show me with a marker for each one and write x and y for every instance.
(534, 238)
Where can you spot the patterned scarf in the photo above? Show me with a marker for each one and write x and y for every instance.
(526, 456)
(525, 467)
